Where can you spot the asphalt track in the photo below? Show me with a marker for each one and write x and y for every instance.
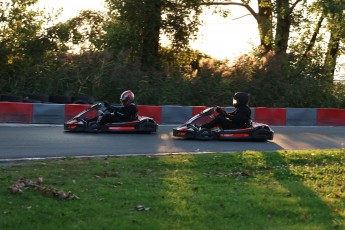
(39, 141)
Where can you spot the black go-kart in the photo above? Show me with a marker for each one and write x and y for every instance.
(82, 123)
(188, 130)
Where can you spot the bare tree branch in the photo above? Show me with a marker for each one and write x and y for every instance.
(294, 5)
(252, 12)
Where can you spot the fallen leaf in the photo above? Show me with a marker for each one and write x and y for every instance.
(39, 180)
(141, 208)
(335, 210)
(333, 195)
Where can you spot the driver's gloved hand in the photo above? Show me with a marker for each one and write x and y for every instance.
(219, 110)
(107, 105)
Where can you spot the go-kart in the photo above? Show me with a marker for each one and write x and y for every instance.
(84, 122)
(188, 130)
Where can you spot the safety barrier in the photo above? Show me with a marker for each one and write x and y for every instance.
(43, 113)
(16, 112)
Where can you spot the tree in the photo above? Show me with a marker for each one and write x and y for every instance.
(22, 43)
(263, 17)
(282, 16)
(21, 30)
(336, 24)
(324, 46)
(136, 27)
(82, 32)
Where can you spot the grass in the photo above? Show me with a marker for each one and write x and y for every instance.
(246, 190)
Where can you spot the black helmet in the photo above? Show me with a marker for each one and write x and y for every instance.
(240, 99)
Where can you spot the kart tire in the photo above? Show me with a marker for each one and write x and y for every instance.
(83, 100)
(93, 126)
(12, 98)
(43, 98)
(60, 99)
(204, 134)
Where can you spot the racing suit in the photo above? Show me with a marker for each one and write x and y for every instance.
(237, 119)
(120, 114)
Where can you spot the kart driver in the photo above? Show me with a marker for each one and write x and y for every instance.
(127, 112)
(237, 119)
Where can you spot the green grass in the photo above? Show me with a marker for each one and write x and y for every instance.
(246, 190)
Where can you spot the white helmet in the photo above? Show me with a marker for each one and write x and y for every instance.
(127, 97)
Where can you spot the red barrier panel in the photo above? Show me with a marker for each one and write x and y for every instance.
(154, 112)
(271, 116)
(16, 112)
(72, 110)
(198, 109)
(330, 117)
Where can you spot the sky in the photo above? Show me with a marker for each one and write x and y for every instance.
(221, 38)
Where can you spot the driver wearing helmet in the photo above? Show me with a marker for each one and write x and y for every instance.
(237, 119)
(127, 112)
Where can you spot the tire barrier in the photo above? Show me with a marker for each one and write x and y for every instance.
(44, 98)
(16, 112)
(331, 117)
(154, 112)
(83, 100)
(48, 114)
(271, 116)
(176, 114)
(11, 98)
(36, 98)
(301, 117)
(43, 113)
(73, 109)
(60, 99)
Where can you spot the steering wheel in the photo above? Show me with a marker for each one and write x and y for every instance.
(220, 111)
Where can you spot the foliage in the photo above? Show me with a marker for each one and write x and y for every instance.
(22, 45)
(277, 190)
(102, 55)
(83, 32)
(139, 25)
(35, 57)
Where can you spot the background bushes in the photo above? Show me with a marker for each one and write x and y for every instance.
(211, 82)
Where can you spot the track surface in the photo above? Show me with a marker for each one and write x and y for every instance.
(36, 141)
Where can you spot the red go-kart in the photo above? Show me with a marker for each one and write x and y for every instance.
(81, 123)
(256, 131)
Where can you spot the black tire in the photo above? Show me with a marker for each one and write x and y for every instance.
(43, 98)
(60, 99)
(30, 101)
(204, 134)
(12, 98)
(83, 100)
(93, 127)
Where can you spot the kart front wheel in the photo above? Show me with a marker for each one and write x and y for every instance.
(204, 134)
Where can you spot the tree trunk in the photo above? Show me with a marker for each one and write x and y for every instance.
(264, 19)
(336, 32)
(332, 54)
(283, 26)
(150, 33)
(313, 38)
